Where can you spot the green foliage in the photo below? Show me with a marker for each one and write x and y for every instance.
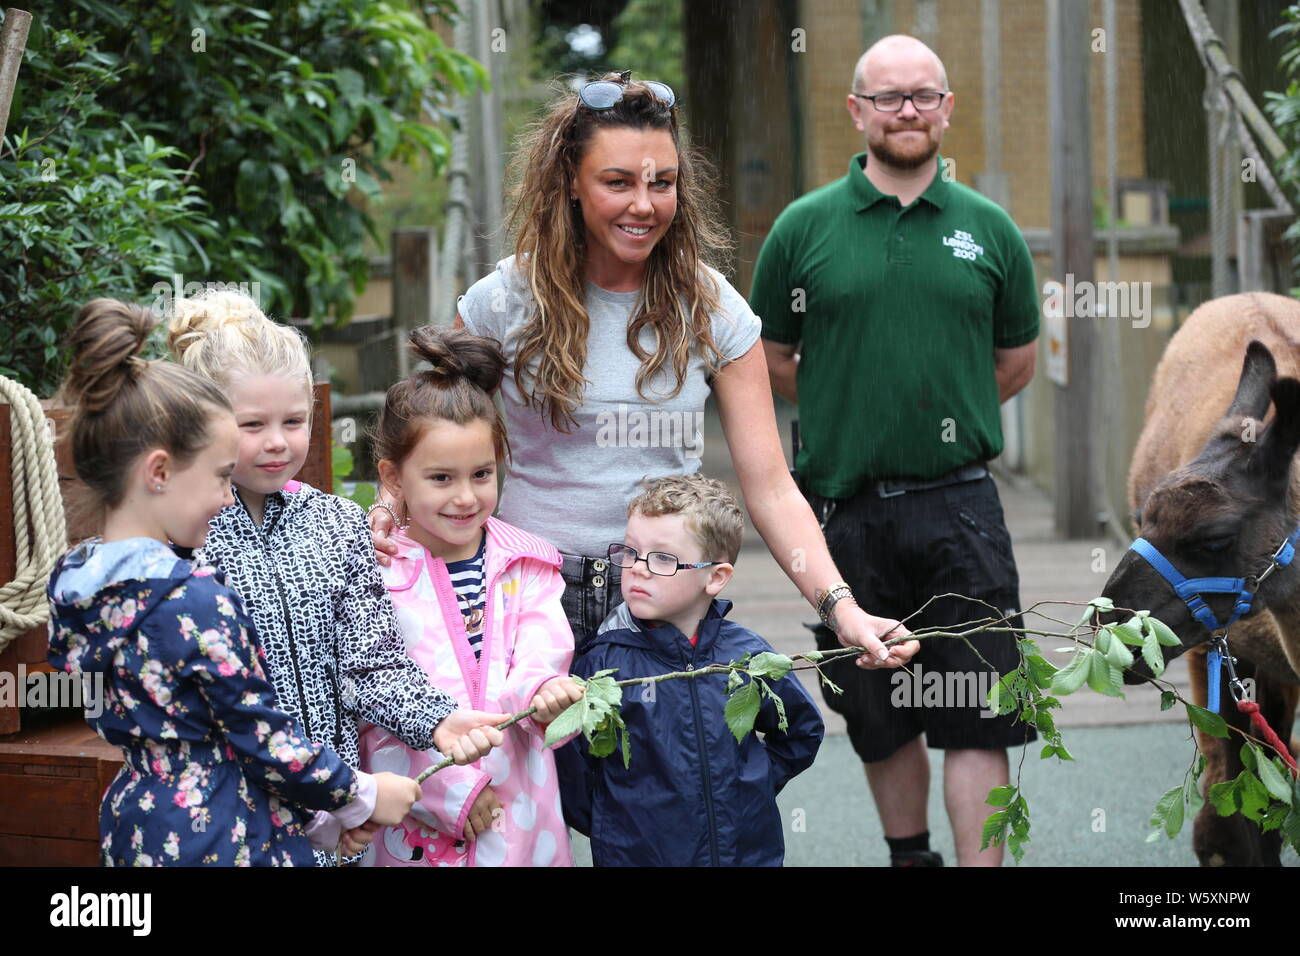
(1284, 110)
(92, 204)
(271, 128)
(1009, 825)
(597, 716)
(650, 42)
(341, 465)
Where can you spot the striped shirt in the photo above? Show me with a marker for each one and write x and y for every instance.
(467, 579)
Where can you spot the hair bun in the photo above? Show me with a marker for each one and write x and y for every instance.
(106, 342)
(457, 354)
(194, 319)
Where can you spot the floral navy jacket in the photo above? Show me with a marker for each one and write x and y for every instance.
(212, 768)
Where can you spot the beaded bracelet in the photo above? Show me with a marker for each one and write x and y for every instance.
(391, 513)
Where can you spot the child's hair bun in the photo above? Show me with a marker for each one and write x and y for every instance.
(106, 342)
(195, 319)
(456, 354)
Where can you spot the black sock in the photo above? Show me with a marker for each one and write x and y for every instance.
(909, 844)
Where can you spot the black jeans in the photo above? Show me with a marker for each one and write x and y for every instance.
(896, 553)
(591, 591)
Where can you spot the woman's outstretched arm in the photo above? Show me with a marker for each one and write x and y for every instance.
(781, 514)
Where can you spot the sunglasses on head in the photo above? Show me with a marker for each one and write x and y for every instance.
(604, 94)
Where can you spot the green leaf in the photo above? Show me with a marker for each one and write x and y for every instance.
(1130, 632)
(1103, 677)
(567, 723)
(993, 829)
(769, 664)
(1167, 699)
(1163, 634)
(1041, 671)
(1255, 798)
(1071, 677)
(1249, 753)
(1273, 819)
(1224, 797)
(1118, 655)
(1291, 828)
(1168, 813)
(1155, 660)
(1000, 796)
(741, 710)
(1101, 643)
(1272, 780)
(813, 656)
(1207, 721)
(781, 722)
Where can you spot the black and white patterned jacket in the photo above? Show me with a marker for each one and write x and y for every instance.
(333, 648)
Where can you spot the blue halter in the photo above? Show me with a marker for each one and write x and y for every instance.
(1191, 589)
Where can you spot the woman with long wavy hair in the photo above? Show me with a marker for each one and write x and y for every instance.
(616, 326)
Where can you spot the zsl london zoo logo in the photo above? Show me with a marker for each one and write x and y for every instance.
(963, 245)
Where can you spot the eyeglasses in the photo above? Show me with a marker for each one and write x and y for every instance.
(659, 562)
(603, 94)
(893, 102)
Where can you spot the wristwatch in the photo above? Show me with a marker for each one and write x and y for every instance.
(827, 598)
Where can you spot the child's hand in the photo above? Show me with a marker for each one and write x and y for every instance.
(382, 527)
(555, 696)
(485, 809)
(358, 838)
(468, 735)
(396, 795)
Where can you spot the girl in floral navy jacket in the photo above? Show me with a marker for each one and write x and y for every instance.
(212, 767)
(301, 559)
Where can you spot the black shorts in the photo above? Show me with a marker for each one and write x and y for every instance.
(895, 553)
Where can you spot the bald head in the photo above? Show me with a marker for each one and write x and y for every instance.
(893, 55)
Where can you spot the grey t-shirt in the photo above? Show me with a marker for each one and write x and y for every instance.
(573, 489)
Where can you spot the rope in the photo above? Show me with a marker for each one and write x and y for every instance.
(1260, 724)
(38, 502)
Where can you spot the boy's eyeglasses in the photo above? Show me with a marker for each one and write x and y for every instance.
(893, 102)
(604, 94)
(659, 562)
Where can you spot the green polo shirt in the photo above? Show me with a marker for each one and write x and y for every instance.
(898, 312)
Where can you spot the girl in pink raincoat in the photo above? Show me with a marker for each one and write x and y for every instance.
(478, 604)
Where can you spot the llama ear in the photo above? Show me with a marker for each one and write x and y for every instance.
(1258, 373)
(1278, 444)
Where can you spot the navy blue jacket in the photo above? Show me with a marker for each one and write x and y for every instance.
(692, 796)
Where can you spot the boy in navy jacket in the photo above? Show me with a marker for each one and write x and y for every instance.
(692, 795)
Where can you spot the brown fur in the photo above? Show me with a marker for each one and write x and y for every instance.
(1193, 387)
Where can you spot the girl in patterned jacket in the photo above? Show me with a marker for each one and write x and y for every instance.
(302, 559)
(478, 602)
(209, 758)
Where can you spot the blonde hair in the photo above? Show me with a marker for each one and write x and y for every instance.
(678, 293)
(124, 406)
(221, 334)
(712, 512)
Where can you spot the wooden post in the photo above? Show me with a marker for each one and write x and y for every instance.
(415, 256)
(13, 41)
(1068, 36)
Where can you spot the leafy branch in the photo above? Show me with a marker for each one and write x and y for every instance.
(1265, 792)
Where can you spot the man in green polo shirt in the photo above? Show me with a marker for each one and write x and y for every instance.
(899, 310)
